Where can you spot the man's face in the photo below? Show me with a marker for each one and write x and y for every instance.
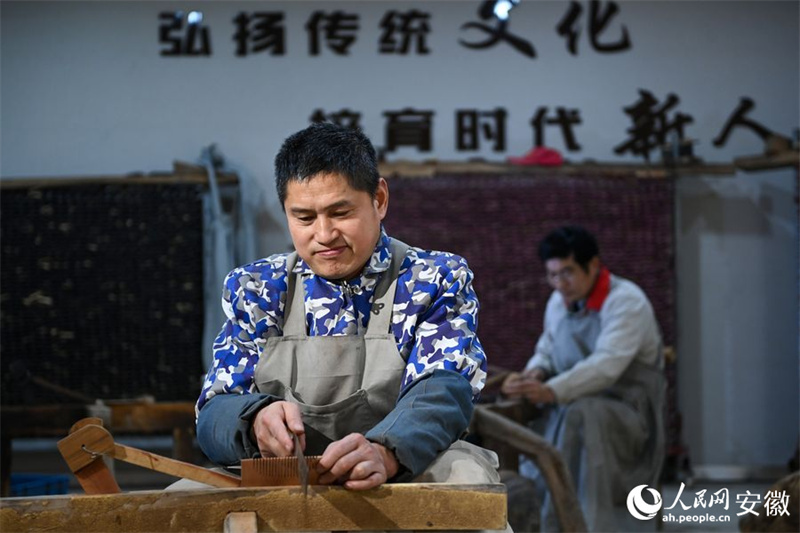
(334, 227)
(567, 277)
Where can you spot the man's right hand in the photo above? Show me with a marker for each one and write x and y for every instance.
(273, 428)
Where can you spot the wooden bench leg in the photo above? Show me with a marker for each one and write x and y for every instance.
(547, 458)
(183, 444)
(245, 522)
(5, 467)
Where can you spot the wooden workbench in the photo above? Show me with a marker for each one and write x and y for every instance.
(410, 506)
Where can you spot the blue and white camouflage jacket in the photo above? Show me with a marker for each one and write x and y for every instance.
(434, 322)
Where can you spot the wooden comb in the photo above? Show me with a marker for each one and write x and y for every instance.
(277, 471)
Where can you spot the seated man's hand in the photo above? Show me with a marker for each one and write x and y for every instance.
(511, 385)
(528, 385)
(357, 462)
(273, 428)
(538, 392)
(534, 373)
(515, 385)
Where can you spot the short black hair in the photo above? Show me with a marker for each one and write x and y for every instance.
(569, 241)
(324, 147)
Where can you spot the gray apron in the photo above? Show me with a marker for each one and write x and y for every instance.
(611, 441)
(342, 384)
(347, 384)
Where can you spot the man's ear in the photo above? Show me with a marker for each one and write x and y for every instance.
(594, 265)
(382, 198)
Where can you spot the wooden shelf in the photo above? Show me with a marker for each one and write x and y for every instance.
(140, 179)
(431, 168)
(764, 162)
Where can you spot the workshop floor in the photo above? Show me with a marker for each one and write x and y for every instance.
(41, 457)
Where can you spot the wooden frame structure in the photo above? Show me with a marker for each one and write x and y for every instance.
(497, 428)
(390, 507)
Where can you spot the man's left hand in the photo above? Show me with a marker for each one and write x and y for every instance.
(359, 463)
(538, 392)
(531, 388)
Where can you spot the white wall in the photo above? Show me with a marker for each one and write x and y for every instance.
(736, 266)
(85, 91)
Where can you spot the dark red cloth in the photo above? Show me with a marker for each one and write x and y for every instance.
(600, 290)
(539, 156)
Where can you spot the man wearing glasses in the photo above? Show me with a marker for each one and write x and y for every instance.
(598, 373)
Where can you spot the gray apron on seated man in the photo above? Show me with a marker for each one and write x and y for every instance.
(611, 441)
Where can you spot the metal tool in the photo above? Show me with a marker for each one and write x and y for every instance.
(302, 466)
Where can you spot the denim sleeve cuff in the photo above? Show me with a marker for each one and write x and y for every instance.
(429, 416)
(223, 426)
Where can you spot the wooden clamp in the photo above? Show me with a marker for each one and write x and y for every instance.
(88, 466)
(88, 441)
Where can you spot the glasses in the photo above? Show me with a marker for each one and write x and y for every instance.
(566, 274)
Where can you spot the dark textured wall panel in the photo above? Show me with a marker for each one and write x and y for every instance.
(496, 222)
(101, 291)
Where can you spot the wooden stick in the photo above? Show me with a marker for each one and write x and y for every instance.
(546, 457)
(173, 467)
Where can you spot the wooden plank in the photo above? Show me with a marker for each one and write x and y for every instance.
(388, 507)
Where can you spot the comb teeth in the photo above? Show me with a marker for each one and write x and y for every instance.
(277, 471)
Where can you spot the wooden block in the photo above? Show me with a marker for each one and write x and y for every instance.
(81, 450)
(83, 445)
(411, 506)
(96, 478)
(83, 422)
